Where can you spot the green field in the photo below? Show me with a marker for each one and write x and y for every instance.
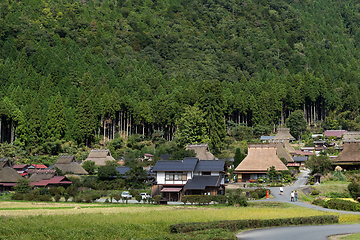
(28, 220)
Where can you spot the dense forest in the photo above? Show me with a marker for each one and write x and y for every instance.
(85, 71)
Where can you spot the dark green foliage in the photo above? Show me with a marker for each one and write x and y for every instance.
(89, 166)
(354, 189)
(238, 157)
(272, 174)
(236, 225)
(106, 172)
(182, 153)
(319, 164)
(344, 205)
(135, 177)
(315, 192)
(297, 123)
(22, 186)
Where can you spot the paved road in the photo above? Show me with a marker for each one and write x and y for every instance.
(299, 232)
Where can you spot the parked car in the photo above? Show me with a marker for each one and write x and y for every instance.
(144, 195)
(126, 194)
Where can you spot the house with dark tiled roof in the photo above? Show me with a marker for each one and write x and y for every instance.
(8, 175)
(189, 176)
(99, 156)
(68, 164)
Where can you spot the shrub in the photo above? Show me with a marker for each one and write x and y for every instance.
(254, 195)
(157, 199)
(57, 198)
(66, 196)
(236, 225)
(339, 176)
(315, 192)
(339, 204)
(319, 202)
(53, 191)
(17, 196)
(354, 189)
(138, 198)
(221, 199)
(45, 198)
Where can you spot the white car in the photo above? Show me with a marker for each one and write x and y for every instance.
(144, 195)
(126, 194)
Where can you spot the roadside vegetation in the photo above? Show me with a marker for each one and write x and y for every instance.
(114, 221)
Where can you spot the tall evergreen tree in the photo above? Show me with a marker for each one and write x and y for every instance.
(85, 123)
(34, 123)
(56, 123)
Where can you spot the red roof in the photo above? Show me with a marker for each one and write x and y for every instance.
(335, 133)
(39, 166)
(293, 164)
(54, 180)
(20, 165)
(23, 174)
(171, 190)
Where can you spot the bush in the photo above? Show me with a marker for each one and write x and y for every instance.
(221, 199)
(45, 198)
(319, 202)
(157, 199)
(339, 176)
(254, 195)
(354, 189)
(236, 225)
(17, 196)
(138, 198)
(339, 204)
(57, 198)
(315, 192)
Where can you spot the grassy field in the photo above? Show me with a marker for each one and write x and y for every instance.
(28, 220)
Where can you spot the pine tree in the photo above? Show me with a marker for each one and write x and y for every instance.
(85, 123)
(34, 123)
(56, 122)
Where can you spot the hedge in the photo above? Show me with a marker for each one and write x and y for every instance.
(339, 204)
(235, 225)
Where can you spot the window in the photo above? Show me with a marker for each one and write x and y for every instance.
(174, 176)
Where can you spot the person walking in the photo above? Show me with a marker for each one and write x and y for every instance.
(292, 195)
(281, 190)
(296, 195)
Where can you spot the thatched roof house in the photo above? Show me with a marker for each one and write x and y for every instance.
(202, 151)
(282, 152)
(8, 175)
(99, 156)
(256, 164)
(283, 133)
(68, 164)
(351, 136)
(39, 175)
(349, 158)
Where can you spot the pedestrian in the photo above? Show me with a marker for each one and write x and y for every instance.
(281, 190)
(296, 193)
(292, 195)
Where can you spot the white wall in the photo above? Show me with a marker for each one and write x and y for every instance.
(160, 177)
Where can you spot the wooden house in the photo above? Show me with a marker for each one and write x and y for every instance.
(99, 156)
(202, 151)
(256, 164)
(189, 176)
(349, 158)
(8, 175)
(68, 164)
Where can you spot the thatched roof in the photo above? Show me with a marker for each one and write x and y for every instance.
(67, 163)
(259, 159)
(202, 151)
(283, 153)
(99, 156)
(350, 154)
(42, 175)
(351, 135)
(7, 173)
(283, 133)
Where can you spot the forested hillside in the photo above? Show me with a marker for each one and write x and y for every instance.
(84, 70)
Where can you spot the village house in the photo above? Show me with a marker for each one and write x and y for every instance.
(8, 175)
(256, 164)
(349, 158)
(202, 151)
(68, 164)
(99, 156)
(189, 176)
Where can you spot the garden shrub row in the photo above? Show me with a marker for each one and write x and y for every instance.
(236, 225)
(338, 204)
(199, 199)
(31, 197)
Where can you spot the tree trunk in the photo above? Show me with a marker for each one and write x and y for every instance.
(104, 124)
(1, 139)
(113, 132)
(12, 132)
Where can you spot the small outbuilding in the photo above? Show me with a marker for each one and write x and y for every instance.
(99, 156)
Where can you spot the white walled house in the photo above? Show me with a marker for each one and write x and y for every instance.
(188, 177)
